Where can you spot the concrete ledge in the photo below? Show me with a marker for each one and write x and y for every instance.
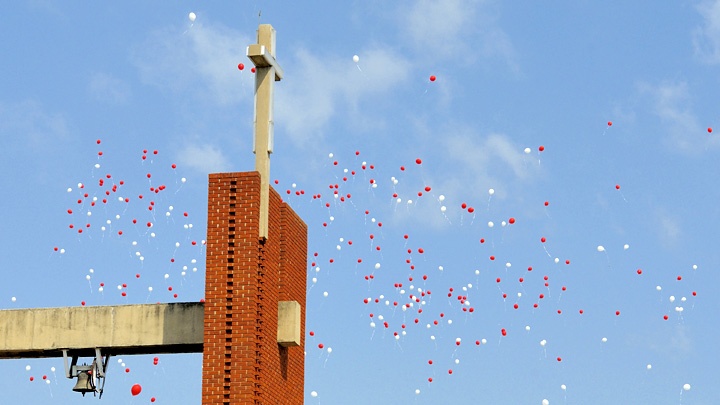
(117, 330)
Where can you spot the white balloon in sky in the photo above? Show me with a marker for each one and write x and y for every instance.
(545, 402)
(686, 387)
(543, 342)
(563, 387)
(417, 392)
(356, 58)
(649, 366)
(528, 150)
(313, 394)
(694, 266)
(13, 299)
(192, 17)
(626, 247)
(491, 191)
(52, 369)
(601, 248)
(325, 294)
(604, 340)
(490, 224)
(441, 198)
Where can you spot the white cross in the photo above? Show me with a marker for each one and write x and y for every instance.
(267, 72)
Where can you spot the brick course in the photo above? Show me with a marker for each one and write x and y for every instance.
(245, 279)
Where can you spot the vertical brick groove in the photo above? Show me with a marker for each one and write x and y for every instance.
(245, 279)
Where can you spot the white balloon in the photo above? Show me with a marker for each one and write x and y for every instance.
(13, 299)
(192, 17)
(686, 387)
(52, 369)
(545, 402)
(325, 294)
(27, 368)
(604, 340)
(649, 366)
(313, 394)
(441, 198)
(417, 392)
(528, 150)
(563, 387)
(600, 248)
(491, 191)
(626, 247)
(356, 58)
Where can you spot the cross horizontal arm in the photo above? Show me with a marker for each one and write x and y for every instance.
(261, 58)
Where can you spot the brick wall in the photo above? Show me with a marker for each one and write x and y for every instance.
(245, 279)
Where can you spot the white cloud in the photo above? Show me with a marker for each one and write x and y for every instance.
(668, 226)
(478, 157)
(107, 88)
(203, 59)
(480, 162)
(204, 158)
(317, 85)
(462, 29)
(29, 124)
(706, 38)
(671, 102)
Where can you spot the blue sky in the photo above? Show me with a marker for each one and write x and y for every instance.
(509, 79)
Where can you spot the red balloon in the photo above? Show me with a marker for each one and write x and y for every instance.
(709, 130)
(433, 78)
(418, 161)
(511, 220)
(541, 148)
(135, 390)
(241, 66)
(609, 123)
(543, 239)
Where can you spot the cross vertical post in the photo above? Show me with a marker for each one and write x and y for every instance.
(268, 71)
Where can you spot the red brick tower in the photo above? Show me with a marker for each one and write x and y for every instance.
(247, 277)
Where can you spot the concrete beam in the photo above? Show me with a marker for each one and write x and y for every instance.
(117, 330)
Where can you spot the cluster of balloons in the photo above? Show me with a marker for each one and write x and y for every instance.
(360, 234)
